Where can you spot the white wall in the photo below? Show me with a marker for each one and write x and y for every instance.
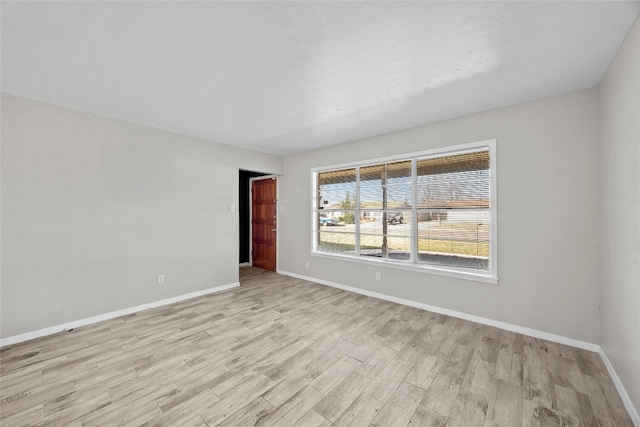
(94, 208)
(547, 165)
(619, 109)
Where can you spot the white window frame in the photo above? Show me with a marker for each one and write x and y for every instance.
(490, 276)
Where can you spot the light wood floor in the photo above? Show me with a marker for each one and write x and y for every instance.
(282, 351)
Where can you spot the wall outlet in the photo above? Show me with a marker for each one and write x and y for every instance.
(306, 264)
(160, 279)
(377, 275)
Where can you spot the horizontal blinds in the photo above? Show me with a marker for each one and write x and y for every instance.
(392, 171)
(390, 182)
(337, 177)
(337, 189)
(475, 161)
(460, 181)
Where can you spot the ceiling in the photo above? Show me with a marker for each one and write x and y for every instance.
(288, 77)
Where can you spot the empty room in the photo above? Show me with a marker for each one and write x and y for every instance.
(320, 213)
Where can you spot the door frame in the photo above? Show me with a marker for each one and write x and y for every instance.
(278, 211)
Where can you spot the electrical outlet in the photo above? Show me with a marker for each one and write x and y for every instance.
(377, 275)
(306, 264)
(160, 279)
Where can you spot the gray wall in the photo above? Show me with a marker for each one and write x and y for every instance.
(94, 208)
(619, 102)
(547, 165)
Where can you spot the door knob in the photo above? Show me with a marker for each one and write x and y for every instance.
(273, 229)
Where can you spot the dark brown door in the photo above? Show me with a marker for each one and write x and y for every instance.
(263, 223)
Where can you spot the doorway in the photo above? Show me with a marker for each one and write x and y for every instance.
(264, 221)
(244, 213)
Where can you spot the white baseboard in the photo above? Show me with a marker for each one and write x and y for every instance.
(106, 316)
(633, 413)
(244, 264)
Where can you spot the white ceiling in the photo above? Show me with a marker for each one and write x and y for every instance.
(286, 77)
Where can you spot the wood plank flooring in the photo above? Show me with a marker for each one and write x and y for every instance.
(280, 351)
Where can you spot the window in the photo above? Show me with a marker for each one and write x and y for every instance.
(431, 211)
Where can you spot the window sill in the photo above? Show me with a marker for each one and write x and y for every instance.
(457, 273)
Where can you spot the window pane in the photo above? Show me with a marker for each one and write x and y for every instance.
(399, 173)
(332, 179)
(398, 223)
(460, 181)
(465, 162)
(371, 245)
(454, 238)
(389, 181)
(397, 248)
(371, 179)
(337, 221)
(436, 192)
(337, 189)
(343, 199)
(336, 242)
(398, 196)
(371, 176)
(371, 222)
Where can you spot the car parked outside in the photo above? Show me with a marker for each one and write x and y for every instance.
(325, 221)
